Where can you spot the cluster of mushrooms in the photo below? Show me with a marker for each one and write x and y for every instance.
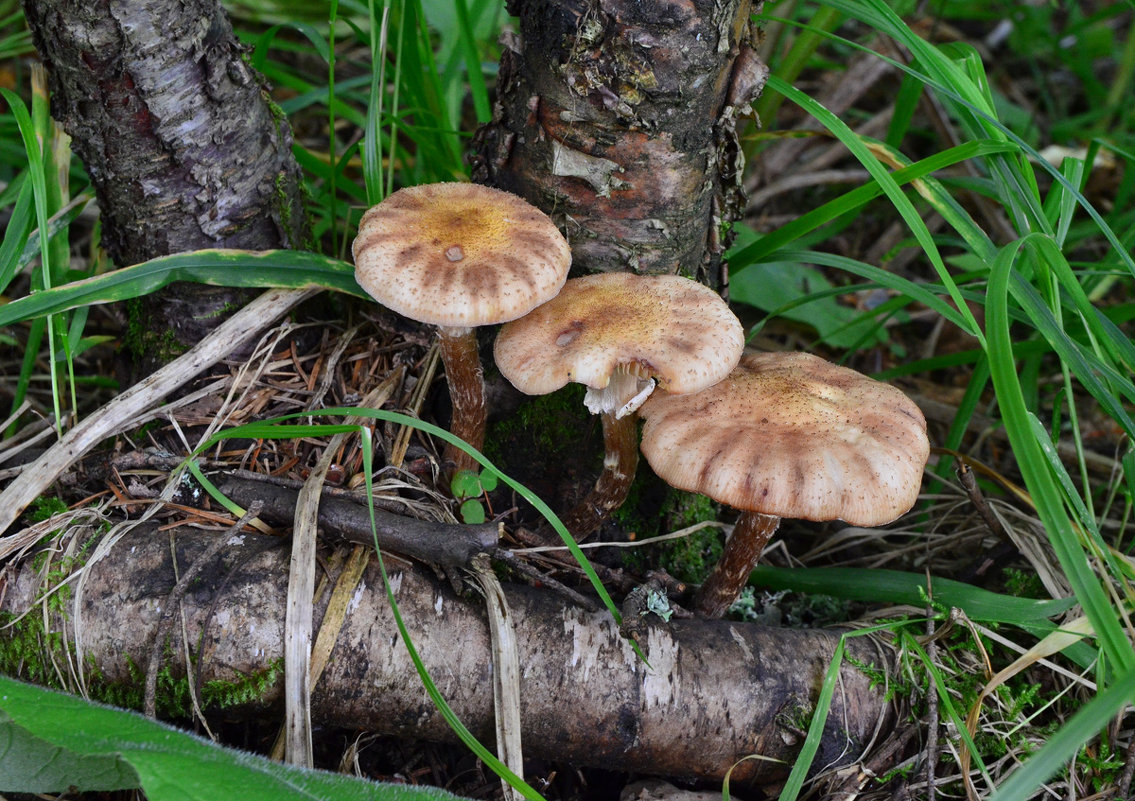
(770, 434)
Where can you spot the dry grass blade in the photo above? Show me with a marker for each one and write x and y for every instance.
(402, 440)
(506, 673)
(298, 677)
(123, 411)
(1054, 643)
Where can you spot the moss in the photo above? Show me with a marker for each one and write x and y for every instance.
(654, 508)
(548, 423)
(142, 340)
(29, 652)
(173, 690)
(1023, 584)
(44, 507)
(293, 223)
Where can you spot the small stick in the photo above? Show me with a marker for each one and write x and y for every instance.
(931, 703)
(977, 498)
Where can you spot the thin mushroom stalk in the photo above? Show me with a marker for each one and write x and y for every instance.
(616, 405)
(743, 549)
(620, 462)
(465, 376)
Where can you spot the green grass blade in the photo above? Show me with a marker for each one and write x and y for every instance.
(1036, 470)
(16, 233)
(894, 193)
(857, 198)
(1088, 721)
(36, 170)
(478, 90)
(1090, 370)
(978, 117)
(371, 146)
(803, 763)
(238, 268)
(904, 286)
(899, 587)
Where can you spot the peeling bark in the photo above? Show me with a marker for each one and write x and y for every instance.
(618, 118)
(714, 692)
(183, 146)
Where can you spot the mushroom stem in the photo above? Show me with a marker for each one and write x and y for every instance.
(466, 382)
(742, 552)
(620, 460)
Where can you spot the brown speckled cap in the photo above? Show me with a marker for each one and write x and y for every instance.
(669, 328)
(791, 435)
(459, 255)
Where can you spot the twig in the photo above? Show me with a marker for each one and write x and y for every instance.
(977, 498)
(931, 705)
(538, 578)
(173, 602)
(446, 544)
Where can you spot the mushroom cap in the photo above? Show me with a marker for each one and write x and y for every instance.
(791, 435)
(459, 254)
(663, 326)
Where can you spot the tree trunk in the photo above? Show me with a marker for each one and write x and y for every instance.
(713, 692)
(617, 118)
(183, 146)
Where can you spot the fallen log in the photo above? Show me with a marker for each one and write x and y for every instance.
(710, 692)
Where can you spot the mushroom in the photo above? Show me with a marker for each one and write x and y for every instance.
(460, 255)
(620, 334)
(787, 435)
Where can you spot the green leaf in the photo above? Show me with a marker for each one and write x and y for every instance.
(238, 268)
(799, 292)
(488, 481)
(472, 512)
(899, 587)
(107, 745)
(465, 484)
(29, 764)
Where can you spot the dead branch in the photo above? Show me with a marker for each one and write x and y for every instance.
(709, 693)
(449, 545)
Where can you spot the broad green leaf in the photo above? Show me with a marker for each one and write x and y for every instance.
(798, 292)
(170, 765)
(30, 764)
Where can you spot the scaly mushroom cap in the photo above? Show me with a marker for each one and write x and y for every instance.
(459, 255)
(672, 329)
(791, 435)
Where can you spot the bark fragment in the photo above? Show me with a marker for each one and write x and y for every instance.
(618, 119)
(714, 691)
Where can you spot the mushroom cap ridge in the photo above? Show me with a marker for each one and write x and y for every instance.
(663, 326)
(459, 254)
(791, 435)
